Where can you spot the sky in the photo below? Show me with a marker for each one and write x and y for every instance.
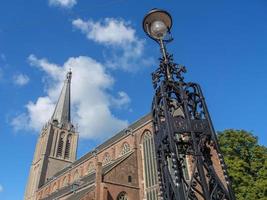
(222, 44)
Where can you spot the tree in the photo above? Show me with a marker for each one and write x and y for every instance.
(247, 163)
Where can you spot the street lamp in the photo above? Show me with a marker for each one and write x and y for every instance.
(183, 129)
(157, 23)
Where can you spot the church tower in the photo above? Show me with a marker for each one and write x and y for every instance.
(56, 146)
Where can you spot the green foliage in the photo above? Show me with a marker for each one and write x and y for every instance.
(247, 164)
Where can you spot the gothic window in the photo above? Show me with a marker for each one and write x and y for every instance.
(125, 148)
(67, 149)
(76, 175)
(122, 196)
(150, 169)
(54, 187)
(47, 191)
(65, 181)
(90, 167)
(60, 145)
(106, 158)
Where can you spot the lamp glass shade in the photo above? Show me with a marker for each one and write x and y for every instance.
(157, 23)
(158, 29)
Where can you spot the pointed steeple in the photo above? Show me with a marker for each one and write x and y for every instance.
(62, 110)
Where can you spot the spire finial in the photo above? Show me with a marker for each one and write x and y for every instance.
(69, 74)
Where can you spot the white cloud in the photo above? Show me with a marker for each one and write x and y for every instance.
(127, 49)
(122, 100)
(40, 111)
(52, 69)
(1, 188)
(92, 85)
(91, 98)
(62, 3)
(20, 122)
(21, 79)
(110, 31)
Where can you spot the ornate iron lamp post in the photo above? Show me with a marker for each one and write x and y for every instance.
(184, 133)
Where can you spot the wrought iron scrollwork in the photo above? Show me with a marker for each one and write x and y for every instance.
(185, 139)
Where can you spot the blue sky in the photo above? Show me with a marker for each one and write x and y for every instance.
(222, 43)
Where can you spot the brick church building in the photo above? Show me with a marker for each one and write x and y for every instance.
(121, 168)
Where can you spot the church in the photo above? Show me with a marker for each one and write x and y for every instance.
(121, 168)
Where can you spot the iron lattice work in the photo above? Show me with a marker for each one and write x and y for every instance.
(184, 131)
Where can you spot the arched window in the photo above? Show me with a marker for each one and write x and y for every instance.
(150, 168)
(65, 181)
(60, 145)
(90, 167)
(54, 187)
(76, 175)
(67, 149)
(125, 148)
(122, 196)
(106, 158)
(46, 191)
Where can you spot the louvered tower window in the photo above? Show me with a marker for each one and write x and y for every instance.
(60, 145)
(151, 179)
(67, 149)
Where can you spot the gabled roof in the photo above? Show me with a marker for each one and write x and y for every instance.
(85, 182)
(124, 132)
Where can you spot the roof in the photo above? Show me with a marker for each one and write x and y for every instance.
(124, 132)
(77, 188)
(107, 143)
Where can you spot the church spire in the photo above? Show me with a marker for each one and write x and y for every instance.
(62, 110)
(56, 147)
